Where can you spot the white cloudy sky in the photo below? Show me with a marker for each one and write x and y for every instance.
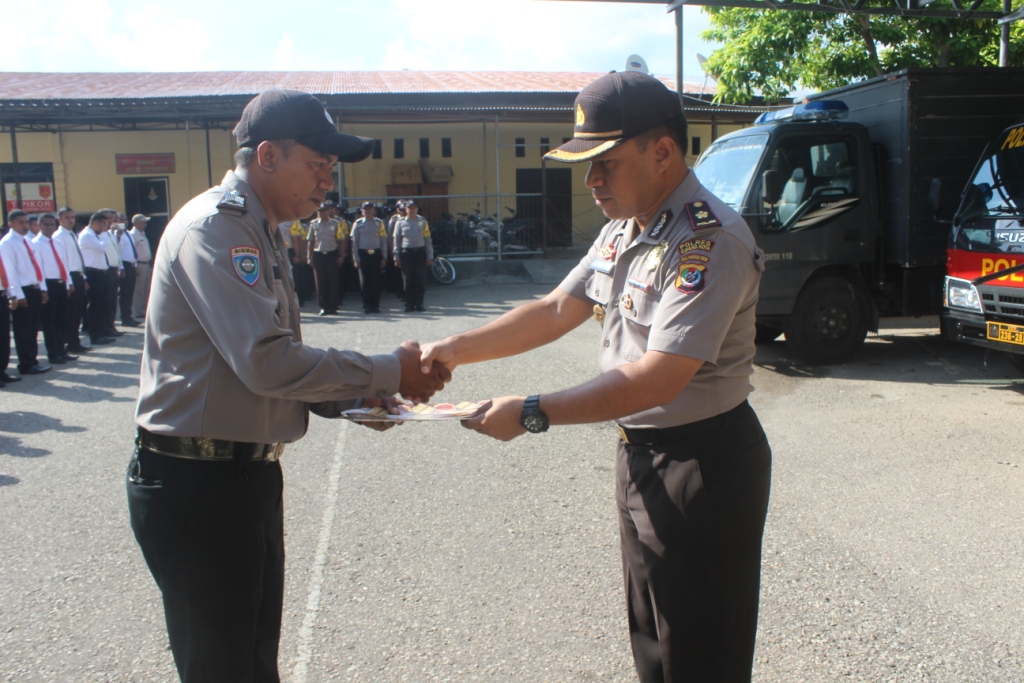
(255, 35)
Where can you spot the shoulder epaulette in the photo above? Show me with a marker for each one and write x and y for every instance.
(701, 215)
(233, 202)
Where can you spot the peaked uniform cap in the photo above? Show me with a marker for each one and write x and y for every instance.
(279, 114)
(613, 109)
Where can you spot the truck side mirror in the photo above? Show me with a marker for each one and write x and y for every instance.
(975, 200)
(771, 187)
(935, 194)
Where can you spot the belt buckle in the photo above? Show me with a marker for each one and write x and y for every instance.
(623, 435)
(274, 452)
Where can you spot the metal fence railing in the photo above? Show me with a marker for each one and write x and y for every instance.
(471, 226)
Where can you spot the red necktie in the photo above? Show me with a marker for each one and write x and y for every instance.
(63, 273)
(31, 256)
(3, 276)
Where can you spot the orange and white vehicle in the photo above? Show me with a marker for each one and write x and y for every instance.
(983, 296)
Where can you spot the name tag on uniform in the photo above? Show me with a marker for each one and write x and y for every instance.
(602, 265)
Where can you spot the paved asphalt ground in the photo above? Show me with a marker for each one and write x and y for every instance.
(893, 549)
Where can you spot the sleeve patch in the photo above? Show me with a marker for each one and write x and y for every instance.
(246, 261)
(690, 278)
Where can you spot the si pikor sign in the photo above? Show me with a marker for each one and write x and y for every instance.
(144, 164)
(35, 197)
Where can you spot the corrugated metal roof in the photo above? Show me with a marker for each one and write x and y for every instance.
(116, 86)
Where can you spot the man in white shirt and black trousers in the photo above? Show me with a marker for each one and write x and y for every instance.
(21, 258)
(52, 260)
(72, 321)
(94, 254)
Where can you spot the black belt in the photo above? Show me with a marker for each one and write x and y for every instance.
(405, 249)
(143, 263)
(197, 448)
(661, 437)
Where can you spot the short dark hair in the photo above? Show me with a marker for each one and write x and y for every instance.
(97, 217)
(47, 215)
(674, 128)
(16, 213)
(64, 209)
(246, 155)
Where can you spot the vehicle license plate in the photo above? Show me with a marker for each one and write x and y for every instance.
(1011, 334)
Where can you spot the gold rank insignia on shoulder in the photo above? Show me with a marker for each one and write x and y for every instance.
(702, 216)
(599, 314)
(654, 256)
(663, 220)
(233, 202)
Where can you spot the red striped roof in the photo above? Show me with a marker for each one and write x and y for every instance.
(115, 86)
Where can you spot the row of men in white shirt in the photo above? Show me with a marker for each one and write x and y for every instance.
(61, 282)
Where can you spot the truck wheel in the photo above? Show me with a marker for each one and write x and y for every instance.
(828, 323)
(1017, 360)
(765, 334)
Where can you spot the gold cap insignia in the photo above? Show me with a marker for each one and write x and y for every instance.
(580, 117)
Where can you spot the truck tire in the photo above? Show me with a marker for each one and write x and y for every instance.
(765, 334)
(828, 323)
(1017, 360)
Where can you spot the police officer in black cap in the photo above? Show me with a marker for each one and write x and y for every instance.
(673, 281)
(226, 382)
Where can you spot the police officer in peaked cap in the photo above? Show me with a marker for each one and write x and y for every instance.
(227, 382)
(672, 279)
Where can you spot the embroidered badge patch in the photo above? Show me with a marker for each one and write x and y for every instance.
(246, 261)
(608, 252)
(695, 245)
(690, 278)
(701, 215)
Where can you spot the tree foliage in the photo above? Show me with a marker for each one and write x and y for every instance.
(773, 52)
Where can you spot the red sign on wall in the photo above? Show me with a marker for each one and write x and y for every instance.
(144, 164)
(35, 197)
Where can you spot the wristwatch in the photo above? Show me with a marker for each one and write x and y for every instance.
(533, 418)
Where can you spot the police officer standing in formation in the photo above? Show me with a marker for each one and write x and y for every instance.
(76, 269)
(143, 265)
(392, 273)
(673, 280)
(24, 269)
(414, 253)
(325, 256)
(369, 248)
(94, 255)
(52, 260)
(226, 382)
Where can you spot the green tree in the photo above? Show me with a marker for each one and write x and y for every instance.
(773, 52)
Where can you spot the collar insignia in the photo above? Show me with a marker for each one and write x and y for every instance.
(233, 202)
(663, 220)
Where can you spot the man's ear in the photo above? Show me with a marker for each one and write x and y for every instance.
(268, 155)
(665, 148)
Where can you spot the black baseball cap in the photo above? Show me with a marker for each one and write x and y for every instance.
(368, 205)
(613, 109)
(327, 204)
(280, 114)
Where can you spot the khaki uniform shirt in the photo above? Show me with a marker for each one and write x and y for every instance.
(369, 236)
(324, 236)
(413, 233)
(223, 355)
(687, 285)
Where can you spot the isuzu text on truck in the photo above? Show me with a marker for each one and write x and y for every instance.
(837, 193)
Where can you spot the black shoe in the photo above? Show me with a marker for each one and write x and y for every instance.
(77, 348)
(69, 356)
(36, 369)
(421, 309)
(9, 378)
(322, 313)
(410, 309)
(116, 333)
(102, 340)
(131, 322)
(57, 360)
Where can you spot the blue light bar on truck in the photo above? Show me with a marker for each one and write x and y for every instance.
(819, 110)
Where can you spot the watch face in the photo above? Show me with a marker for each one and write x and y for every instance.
(534, 423)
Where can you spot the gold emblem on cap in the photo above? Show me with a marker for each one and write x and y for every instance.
(580, 116)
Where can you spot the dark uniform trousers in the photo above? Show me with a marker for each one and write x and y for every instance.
(99, 294)
(414, 272)
(113, 283)
(691, 518)
(212, 533)
(369, 278)
(325, 267)
(302, 276)
(53, 314)
(75, 311)
(26, 321)
(5, 333)
(127, 291)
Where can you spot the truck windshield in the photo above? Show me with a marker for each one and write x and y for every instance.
(993, 209)
(726, 167)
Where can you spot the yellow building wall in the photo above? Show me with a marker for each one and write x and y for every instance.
(86, 178)
(85, 169)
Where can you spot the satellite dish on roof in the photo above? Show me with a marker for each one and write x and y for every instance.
(636, 63)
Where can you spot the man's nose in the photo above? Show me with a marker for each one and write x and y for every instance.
(594, 176)
(327, 180)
